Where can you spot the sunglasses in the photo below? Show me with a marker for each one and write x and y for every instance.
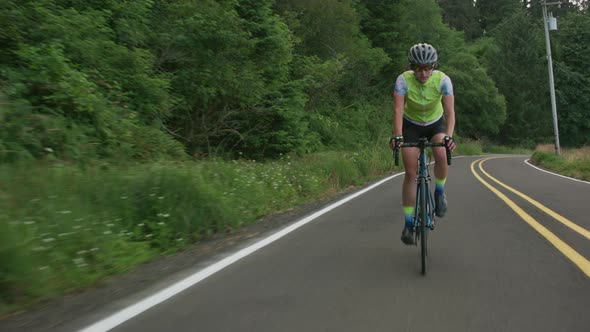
(422, 67)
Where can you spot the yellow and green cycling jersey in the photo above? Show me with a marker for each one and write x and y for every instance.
(423, 101)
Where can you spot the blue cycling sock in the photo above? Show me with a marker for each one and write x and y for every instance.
(408, 215)
(440, 186)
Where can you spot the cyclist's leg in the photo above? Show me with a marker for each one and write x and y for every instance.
(410, 156)
(412, 133)
(441, 168)
(441, 172)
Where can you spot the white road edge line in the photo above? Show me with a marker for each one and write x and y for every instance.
(562, 176)
(163, 295)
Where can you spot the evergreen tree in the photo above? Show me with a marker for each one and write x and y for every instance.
(516, 62)
(572, 79)
(462, 15)
(492, 12)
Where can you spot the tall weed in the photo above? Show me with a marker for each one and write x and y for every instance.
(63, 227)
(572, 162)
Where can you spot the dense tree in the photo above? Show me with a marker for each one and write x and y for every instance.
(229, 64)
(395, 27)
(516, 62)
(339, 67)
(462, 15)
(492, 12)
(87, 79)
(572, 79)
(481, 109)
(72, 91)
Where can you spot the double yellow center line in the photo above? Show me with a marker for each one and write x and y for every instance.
(568, 251)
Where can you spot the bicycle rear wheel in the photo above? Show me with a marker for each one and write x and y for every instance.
(422, 224)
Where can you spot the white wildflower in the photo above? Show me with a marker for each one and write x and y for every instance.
(80, 262)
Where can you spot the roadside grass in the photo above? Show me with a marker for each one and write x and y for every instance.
(498, 149)
(469, 147)
(572, 162)
(472, 147)
(63, 228)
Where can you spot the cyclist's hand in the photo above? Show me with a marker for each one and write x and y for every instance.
(396, 142)
(449, 142)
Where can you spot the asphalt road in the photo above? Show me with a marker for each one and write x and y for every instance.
(496, 263)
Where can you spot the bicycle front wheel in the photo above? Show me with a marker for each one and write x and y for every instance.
(422, 226)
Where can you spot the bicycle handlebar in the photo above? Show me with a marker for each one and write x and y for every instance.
(418, 145)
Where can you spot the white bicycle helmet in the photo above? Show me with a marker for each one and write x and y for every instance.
(422, 54)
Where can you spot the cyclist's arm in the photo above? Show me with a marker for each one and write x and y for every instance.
(449, 109)
(399, 93)
(398, 114)
(448, 101)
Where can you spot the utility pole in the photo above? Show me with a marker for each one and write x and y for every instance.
(550, 66)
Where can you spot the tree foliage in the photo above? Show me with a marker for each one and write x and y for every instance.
(516, 63)
(481, 109)
(572, 79)
(462, 15)
(82, 80)
(69, 89)
(493, 12)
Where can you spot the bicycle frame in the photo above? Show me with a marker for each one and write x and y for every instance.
(423, 220)
(423, 184)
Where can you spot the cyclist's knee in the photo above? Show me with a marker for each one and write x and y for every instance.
(440, 157)
(410, 166)
(439, 154)
(411, 172)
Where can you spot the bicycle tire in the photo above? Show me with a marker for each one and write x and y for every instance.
(422, 224)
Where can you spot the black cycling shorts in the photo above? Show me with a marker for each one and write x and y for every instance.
(412, 132)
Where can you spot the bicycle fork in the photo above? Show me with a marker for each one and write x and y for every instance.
(424, 174)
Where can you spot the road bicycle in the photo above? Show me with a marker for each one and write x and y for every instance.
(423, 220)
